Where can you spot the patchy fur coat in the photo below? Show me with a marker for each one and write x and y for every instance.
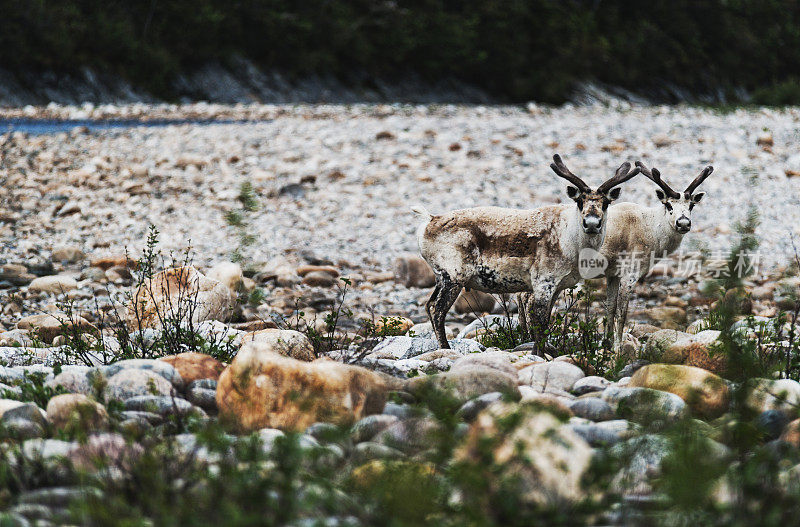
(500, 250)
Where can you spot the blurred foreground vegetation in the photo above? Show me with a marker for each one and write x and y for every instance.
(434, 457)
(516, 50)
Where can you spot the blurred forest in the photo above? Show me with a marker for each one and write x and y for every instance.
(515, 50)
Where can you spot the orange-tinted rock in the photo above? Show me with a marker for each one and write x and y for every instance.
(261, 389)
(193, 366)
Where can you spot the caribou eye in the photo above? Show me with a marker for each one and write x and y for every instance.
(691, 205)
(580, 204)
(669, 206)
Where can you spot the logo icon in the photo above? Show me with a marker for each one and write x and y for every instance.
(591, 263)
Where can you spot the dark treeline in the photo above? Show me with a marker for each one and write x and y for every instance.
(516, 50)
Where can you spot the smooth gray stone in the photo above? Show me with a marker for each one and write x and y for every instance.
(28, 411)
(594, 409)
(205, 398)
(162, 405)
(156, 366)
(208, 384)
(139, 415)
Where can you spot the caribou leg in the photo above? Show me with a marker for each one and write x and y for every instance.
(524, 316)
(431, 301)
(447, 295)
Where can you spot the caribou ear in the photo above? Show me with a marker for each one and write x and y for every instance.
(573, 192)
(660, 195)
(697, 197)
(613, 194)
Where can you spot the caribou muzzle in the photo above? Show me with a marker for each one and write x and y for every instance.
(591, 224)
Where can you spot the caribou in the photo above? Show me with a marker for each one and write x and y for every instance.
(641, 235)
(531, 252)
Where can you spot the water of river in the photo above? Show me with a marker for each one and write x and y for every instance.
(52, 126)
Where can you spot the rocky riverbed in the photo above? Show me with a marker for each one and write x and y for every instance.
(339, 180)
(102, 360)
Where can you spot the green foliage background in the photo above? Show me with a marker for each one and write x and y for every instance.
(517, 50)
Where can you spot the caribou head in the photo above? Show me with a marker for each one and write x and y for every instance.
(592, 204)
(678, 206)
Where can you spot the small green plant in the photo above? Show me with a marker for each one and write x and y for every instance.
(237, 218)
(234, 218)
(385, 327)
(247, 197)
(573, 331)
(576, 331)
(329, 338)
(363, 336)
(150, 329)
(500, 332)
(256, 297)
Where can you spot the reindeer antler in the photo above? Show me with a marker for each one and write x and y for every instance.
(655, 177)
(623, 174)
(561, 170)
(698, 180)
